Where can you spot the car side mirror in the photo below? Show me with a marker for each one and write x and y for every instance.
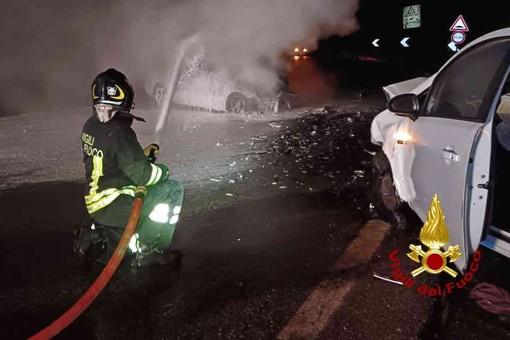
(406, 105)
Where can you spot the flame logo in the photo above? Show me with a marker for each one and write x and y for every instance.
(434, 234)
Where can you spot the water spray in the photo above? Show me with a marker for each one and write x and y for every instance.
(171, 86)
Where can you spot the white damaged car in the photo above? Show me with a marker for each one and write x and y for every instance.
(449, 134)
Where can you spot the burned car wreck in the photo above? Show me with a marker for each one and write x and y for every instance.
(201, 87)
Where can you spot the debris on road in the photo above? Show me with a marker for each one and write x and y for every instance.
(214, 180)
(388, 280)
(259, 137)
(229, 194)
(359, 173)
(491, 298)
(275, 125)
(323, 110)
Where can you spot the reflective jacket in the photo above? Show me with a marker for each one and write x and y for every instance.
(114, 162)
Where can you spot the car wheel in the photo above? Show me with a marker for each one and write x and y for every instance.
(384, 195)
(279, 105)
(159, 93)
(236, 103)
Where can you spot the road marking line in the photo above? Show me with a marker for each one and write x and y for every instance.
(328, 296)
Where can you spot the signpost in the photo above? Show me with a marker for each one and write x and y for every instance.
(412, 16)
(458, 37)
(459, 27)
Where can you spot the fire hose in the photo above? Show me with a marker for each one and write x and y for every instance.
(68, 317)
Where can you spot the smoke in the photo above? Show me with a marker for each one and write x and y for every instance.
(53, 49)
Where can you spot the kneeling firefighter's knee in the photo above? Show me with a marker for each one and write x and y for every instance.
(174, 188)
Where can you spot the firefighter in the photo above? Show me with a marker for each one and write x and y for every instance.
(115, 164)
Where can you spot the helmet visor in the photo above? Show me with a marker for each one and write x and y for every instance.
(104, 112)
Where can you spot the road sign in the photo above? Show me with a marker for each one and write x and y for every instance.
(412, 16)
(403, 42)
(375, 42)
(453, 46)
(458, 37)
(459, 25)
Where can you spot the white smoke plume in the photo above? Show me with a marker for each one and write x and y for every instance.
(52, 50)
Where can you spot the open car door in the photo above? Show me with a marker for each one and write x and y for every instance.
(452, 140)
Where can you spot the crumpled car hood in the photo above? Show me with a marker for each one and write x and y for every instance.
(406, 86)
(387, 118)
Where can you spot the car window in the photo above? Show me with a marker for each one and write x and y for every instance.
(503, 105)
(463, 86)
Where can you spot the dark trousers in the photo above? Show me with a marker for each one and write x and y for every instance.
(150, 228)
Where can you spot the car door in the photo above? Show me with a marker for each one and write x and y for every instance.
(452, 142)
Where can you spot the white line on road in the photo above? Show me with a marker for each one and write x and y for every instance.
(328, 296)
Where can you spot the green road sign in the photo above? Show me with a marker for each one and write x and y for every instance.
(412, 16)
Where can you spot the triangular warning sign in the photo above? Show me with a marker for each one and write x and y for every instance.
(459, 25)
(411, 10)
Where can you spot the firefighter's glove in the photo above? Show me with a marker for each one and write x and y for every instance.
(164, 168)
(151, 151)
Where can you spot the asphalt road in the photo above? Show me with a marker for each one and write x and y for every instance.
(273, 207)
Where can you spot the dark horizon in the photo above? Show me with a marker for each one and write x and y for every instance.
(428, 45)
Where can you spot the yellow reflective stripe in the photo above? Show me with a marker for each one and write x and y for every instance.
(121, 93)
(154, 174)
(91, 208)
(105, 197)
(158, 177)
(94, 92)
(97, 172)
(89, 199)
(110, 102)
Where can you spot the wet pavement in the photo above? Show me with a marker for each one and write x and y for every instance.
(272, 203)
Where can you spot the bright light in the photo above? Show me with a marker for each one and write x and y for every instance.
(132, 243)
(296, 50)
(296, 57)
(177, 210)
(402, 137)
(174, 219)
(160, 213)
(305, 50)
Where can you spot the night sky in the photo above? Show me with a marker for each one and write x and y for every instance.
(428, 48)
